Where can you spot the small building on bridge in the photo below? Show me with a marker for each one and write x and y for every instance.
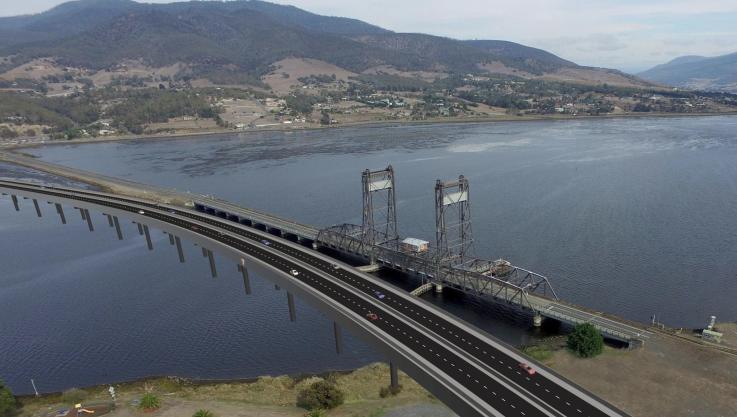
(414, 245)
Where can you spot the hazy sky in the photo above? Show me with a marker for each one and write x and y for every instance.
(626, 34)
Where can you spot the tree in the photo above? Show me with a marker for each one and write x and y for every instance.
(320, 395)
(585, 341)
(325, 118)
(7, 401)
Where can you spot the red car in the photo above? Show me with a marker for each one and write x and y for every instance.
(527, 368)
(372, 316)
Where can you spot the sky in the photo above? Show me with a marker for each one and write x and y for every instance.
(630, 35)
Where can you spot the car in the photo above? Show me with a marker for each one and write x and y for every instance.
(294, 272)
(527, 368)
(372, 316)
(379, 295)
(266, 242)
(195, 228)
(336, 266)
(141, 212)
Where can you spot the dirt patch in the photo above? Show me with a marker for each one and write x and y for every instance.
(296, 68)
(428, 76)
(593, 76)
(35, 70)
(667, 377)
(496, 67)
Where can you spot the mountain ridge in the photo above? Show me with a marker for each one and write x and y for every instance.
(248, 37)
(717, 73)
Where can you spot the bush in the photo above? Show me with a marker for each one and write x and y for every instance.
(585, 341)
(320, 395)
(7, 401)
(149, 402)
(73, 396)
(203, 413)
(540, 353)
(316, 413)
(389, 390)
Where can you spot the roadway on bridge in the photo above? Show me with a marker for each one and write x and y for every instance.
(484, 366)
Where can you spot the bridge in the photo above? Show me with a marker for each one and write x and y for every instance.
(451, 262)
(467, 369)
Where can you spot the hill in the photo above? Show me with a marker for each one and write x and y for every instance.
(243, 41)
(697, 72)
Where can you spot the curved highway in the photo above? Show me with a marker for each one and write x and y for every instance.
(480, 375)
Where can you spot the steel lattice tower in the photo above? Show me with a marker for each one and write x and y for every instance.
(453, 221)
(378, 188)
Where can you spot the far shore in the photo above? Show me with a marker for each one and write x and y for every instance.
(363, 124)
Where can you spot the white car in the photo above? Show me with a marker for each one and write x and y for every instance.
(141, 212)
(294, 272)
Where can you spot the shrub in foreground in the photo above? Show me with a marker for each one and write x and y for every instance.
(585, 341)
(7, 401)
(320, 395)
(203, 413)
(149, 402)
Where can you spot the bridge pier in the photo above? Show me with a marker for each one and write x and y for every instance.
(537, 319)
(246, 280)
(338, 333)
(117, 228)
(60, 210)
(38, 209)
(148, 237)
(438, 288)
(204, 252)
(81, 213)
(15, 202)
(276, 287)
(171, 239)
(109, 219)
(393, 375)
(178, 242)
(290, 303)
(211, 258)
(89, 220)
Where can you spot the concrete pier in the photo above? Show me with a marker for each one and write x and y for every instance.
(537, 320)
(60, 210)
(178, 242)
(117, 228)
(15, 202)
(211, 258)
(393, 375)
(276, 287)
(246, 279)
(148, 238)
(438, 288)
(171, 239)
(89, 220)
(337, 332)
(140, 228)
(81, 213)
(290, 303)
(38, 209)
(204, 252)
(109, 220)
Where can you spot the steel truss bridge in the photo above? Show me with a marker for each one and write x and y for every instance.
(451, 261)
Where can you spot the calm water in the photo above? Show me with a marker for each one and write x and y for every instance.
(633, 217)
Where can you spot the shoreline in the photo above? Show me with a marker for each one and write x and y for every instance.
(363, 124)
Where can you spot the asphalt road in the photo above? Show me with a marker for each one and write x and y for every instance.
(482, 365)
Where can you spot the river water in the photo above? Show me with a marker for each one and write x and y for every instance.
(630, 216)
